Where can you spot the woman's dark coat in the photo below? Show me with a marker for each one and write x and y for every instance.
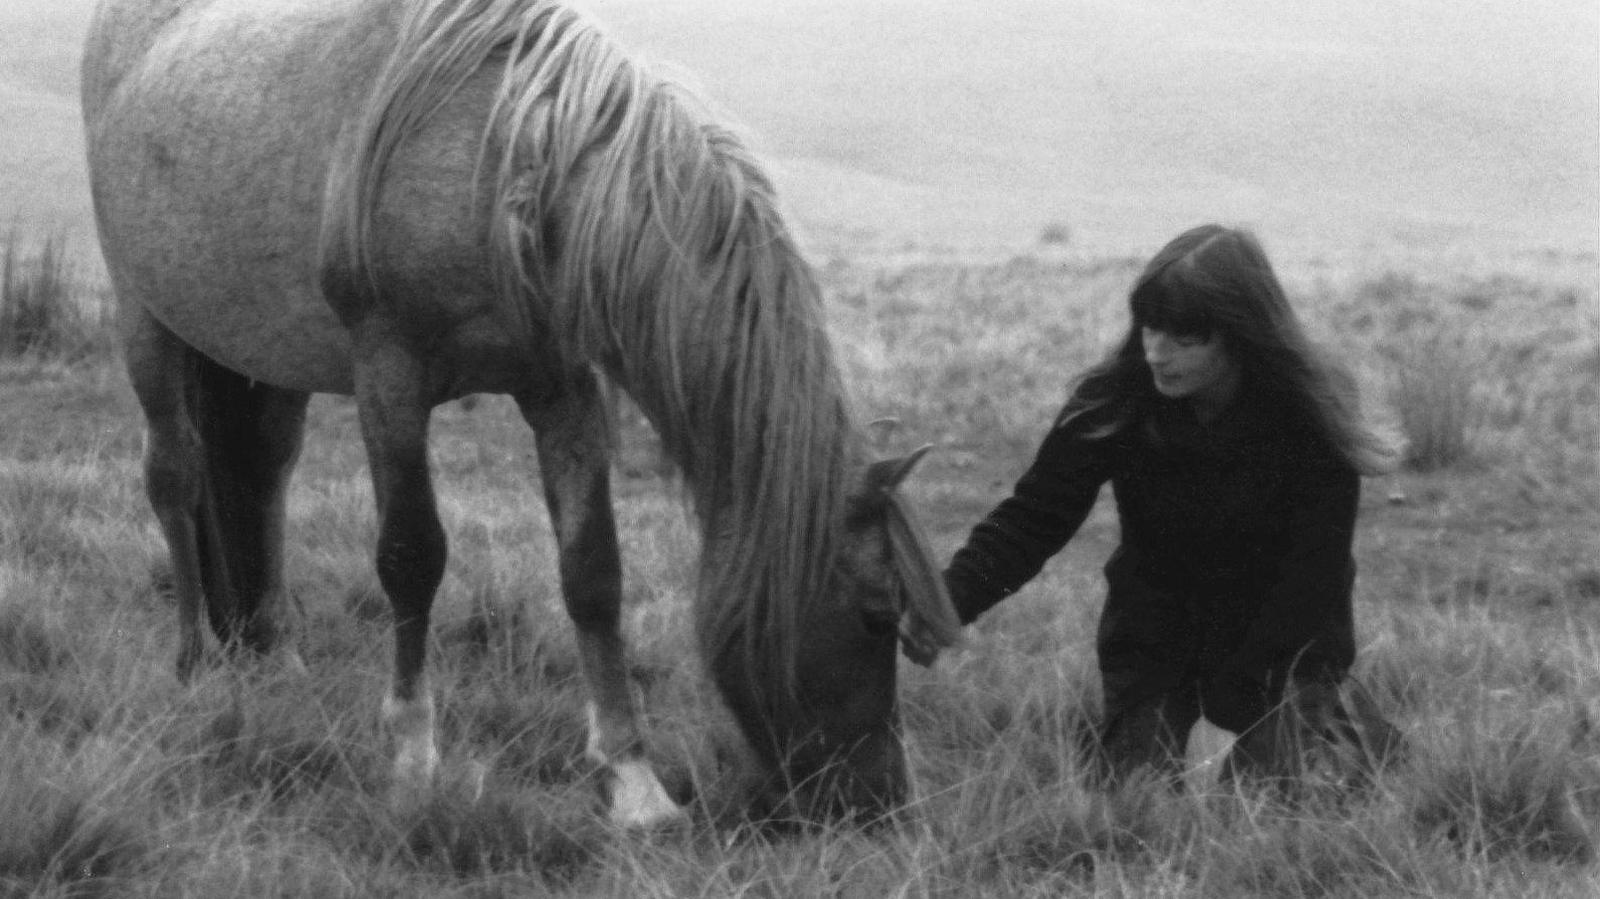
(1235, 565)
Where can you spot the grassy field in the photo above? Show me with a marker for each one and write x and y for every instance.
(1478, 614)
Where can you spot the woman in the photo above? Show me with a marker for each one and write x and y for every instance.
(1234, 451)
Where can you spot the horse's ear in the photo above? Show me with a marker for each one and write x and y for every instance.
(884, 476)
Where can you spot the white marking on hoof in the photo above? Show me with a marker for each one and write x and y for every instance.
(1207, 746)
(638, 800)
(416, 757)
(591, 748)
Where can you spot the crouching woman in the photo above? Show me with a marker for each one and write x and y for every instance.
(1234, 450)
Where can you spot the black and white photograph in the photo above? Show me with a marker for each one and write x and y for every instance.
(753, 449)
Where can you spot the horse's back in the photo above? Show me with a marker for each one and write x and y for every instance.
(211, 125)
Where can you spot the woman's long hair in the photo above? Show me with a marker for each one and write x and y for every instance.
(1214, 281)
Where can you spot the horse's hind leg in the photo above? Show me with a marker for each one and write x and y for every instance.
(252, 434)
(162, 370)
(217, 458)
(573, 442)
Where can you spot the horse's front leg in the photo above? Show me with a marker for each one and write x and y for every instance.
(394, 409)
(574, 457)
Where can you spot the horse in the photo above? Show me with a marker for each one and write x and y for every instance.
(410, 201)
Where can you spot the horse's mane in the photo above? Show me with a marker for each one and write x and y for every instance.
(648, 240)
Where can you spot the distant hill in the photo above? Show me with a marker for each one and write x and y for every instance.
(933, 122)
(42, 180)
(1319, 119)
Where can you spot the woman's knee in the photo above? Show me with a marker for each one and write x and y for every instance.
(1146, 735)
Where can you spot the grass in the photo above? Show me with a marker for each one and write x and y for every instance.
(1433, 397)
(1476, 608)
(44, 311)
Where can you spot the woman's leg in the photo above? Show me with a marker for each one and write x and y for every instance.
(1148, 714)
(1148, 656)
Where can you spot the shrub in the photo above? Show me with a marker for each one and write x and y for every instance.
(1055, 234)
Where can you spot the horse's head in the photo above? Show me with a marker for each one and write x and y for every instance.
(833, 750)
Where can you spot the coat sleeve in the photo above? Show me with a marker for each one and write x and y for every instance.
(1046, 507)
(1305, 621)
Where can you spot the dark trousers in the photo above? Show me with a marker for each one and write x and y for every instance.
(1304, 724)
(1170, 655)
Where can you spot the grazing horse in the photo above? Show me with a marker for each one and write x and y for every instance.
(413, 200)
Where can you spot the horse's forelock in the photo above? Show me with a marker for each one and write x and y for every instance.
(927, 597)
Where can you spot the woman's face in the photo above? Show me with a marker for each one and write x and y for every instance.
(1189, 367)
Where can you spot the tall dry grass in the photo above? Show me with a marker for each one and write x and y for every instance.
(1433, 398)
(1476, 609)
(46, 312)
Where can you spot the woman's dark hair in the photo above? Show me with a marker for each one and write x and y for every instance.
(1216, 281)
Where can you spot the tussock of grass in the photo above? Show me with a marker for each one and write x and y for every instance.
(1072, 831)
(54, 707)
(1055, 234)
(64, 835)
(281, 764)
(475, 826)
(1433, 397)
(71, 848)
(1284, 853)
(1507, 797)
(499, 833)
(531, 734)
(42, 312)
(35, 298)
(30, 647)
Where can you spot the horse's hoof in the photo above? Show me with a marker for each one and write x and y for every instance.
(412, 782)
(638, 801)
(416, 768)
(416, 755)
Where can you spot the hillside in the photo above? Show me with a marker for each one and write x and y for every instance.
(893, 123)
(42, 179)
(1128, 120)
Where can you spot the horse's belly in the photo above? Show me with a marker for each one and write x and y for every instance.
(208, 160)
(287, 339)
